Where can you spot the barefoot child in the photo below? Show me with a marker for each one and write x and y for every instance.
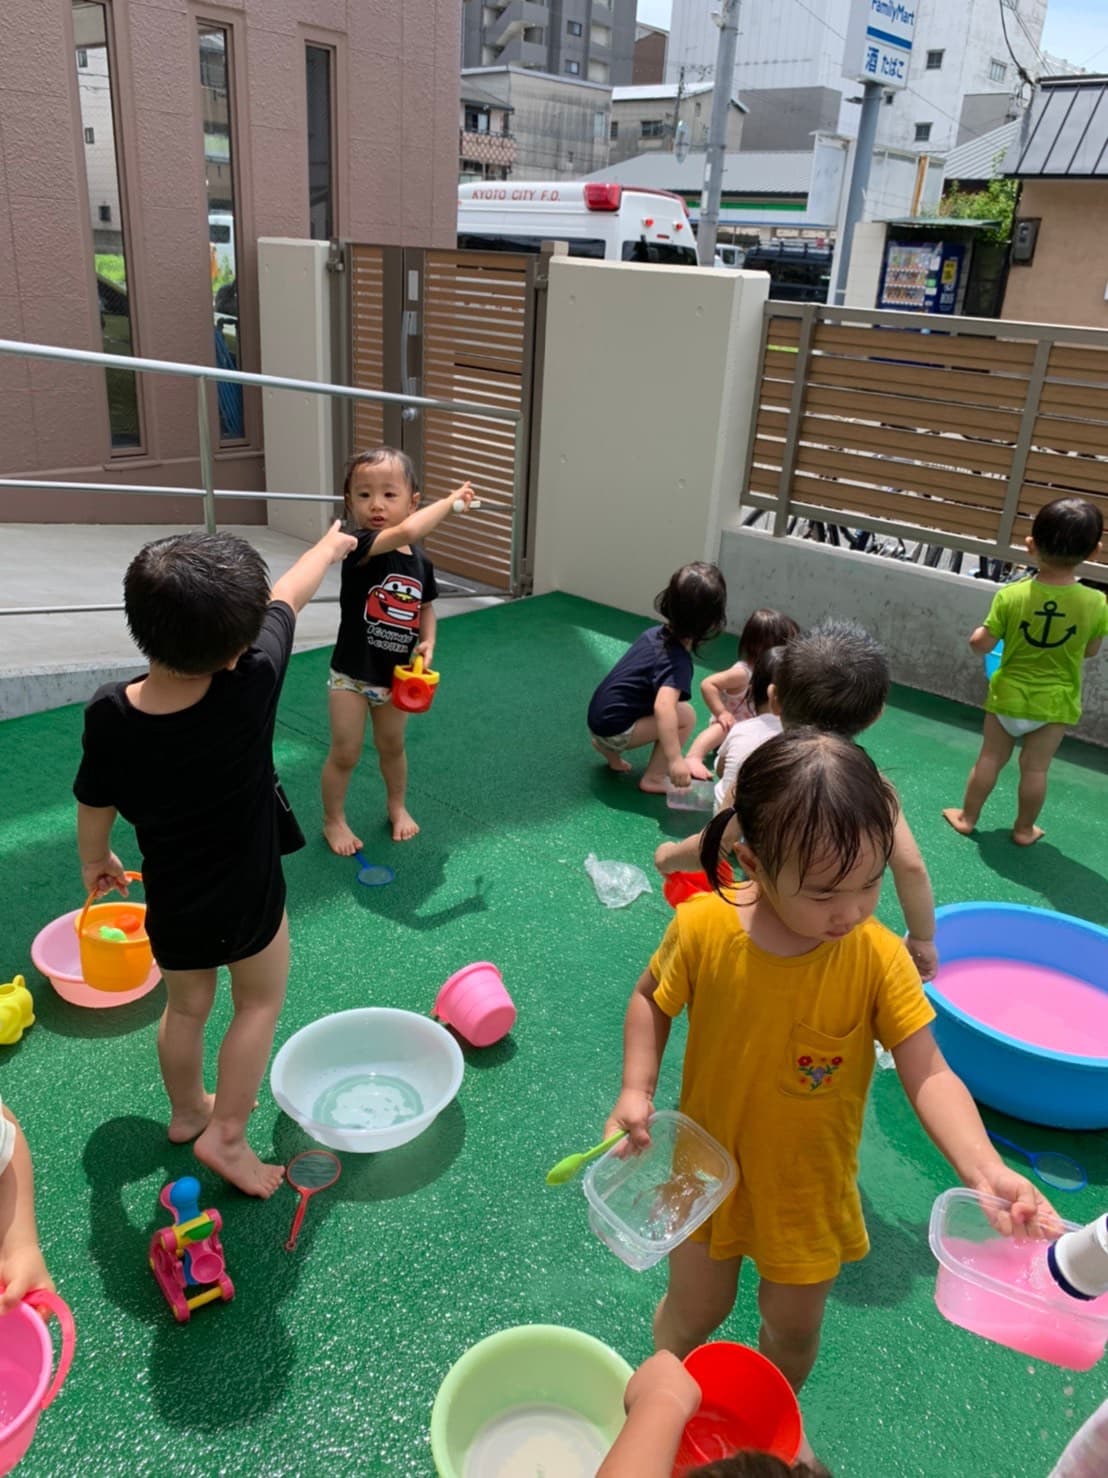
(386, 618)
(728, 694)
(786, 984)
(21, 1266)
(747, 734)
(185, 753)
(644, 699)
(836, 678)
(1049, 626)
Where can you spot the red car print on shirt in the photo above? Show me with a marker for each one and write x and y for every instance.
(396, 601)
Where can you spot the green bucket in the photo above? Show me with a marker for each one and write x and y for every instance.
(532, 1365)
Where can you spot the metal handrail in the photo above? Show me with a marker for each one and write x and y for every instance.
(203, 375)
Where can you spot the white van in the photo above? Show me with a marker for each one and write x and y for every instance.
(616, 223)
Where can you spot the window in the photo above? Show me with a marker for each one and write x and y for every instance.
(613, 132)
(109, 250)
(923, 133)
(574, 28)
(889, 99)
(477, 120)
(934, 60)
(652, 128)
(997, 70)
(321, 143)
(216, 114)
(573, 68)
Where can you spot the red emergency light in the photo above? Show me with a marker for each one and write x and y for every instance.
(599, 196)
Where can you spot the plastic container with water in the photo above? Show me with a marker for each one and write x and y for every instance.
(644, 1205)
(1001, 1288)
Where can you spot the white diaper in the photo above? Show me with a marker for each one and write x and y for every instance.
(1016, 728)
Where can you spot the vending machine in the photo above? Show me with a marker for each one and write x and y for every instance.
(924, 276)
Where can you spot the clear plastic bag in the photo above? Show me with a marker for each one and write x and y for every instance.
(617, 883)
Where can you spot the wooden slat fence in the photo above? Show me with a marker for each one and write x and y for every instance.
(953, 432)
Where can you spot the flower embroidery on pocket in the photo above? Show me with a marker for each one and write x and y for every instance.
(815, 1070)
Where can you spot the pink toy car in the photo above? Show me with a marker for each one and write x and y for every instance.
(187, 1257)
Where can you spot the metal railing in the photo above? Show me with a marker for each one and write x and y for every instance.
(204, 375)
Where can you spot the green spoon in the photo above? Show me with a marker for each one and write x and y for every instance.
(566, 1169)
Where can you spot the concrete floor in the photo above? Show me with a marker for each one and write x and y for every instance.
(47, 661)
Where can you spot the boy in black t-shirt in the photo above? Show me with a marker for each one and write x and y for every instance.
(386, 618)
(185, 753)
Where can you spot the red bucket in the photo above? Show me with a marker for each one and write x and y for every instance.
(681, 885)
(746, 1404)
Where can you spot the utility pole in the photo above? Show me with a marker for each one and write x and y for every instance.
(677, 104)
(722, 88)
(859, 179)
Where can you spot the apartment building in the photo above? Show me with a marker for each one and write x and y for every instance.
(591, 40)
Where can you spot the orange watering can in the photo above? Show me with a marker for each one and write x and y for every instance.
(115, 948)
(413, 688)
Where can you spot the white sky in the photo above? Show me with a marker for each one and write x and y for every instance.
(1075, 29)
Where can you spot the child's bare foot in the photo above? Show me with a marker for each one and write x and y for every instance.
(957, 818)
(612, 758)
(237, 1162)
(340, 838)
(404, 825)
(698, 769)
(186, 1124)
(653, 784)
(1027, 838)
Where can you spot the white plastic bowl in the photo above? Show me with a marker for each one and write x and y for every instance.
(367, 1080)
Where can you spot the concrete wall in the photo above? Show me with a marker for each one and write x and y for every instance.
(649, 62)
(867, 252)
(1068, 279)
(787, 117)
(560, 123)
(696, 113)
(638, 456)
(397, 158)
(921, 617)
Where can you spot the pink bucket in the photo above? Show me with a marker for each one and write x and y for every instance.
(475, 1003)
(26, 1356)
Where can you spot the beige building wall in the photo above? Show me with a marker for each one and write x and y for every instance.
(696, 113)
(1068, 279)
(396, 160)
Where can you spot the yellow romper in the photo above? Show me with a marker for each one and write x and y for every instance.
(777, 1068)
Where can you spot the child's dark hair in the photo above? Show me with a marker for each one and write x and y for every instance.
(802, 796)
(753, 1465)
(1068, 530)
(374, 458)
(764, 674)
(765, 629)
(195, 601)
(834, 677)
(694, 603)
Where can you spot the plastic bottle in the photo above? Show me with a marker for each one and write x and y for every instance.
(1078, 1261)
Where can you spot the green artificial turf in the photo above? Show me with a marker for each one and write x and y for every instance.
(328, 1360)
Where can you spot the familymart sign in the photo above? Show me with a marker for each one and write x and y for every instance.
(879, 41)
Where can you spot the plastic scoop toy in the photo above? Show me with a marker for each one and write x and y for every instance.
(460, 504)
(372, 874)
(566, 1169)
(309, 1172)
(1053, 1169)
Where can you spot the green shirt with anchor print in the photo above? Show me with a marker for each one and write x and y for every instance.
(1045, 630)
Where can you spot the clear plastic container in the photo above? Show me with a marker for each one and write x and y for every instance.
(643, 1206)
(1001, 1287)
(699, 796)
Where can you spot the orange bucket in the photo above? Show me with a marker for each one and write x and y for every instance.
(114, 964)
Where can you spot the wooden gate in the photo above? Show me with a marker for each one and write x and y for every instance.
(456, 326)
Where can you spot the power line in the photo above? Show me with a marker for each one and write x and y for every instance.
(1023, 73)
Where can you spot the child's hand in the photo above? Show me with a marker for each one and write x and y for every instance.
(426, 650)
(925, 956)
(632, 1112)
(21, 1269)
(663, 1378)
(725, 718)
(1030, 1214)
(103, 874)
(464, 495)
(337, 544)
(680, 776)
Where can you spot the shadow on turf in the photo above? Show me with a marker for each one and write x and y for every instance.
(899, 1255)
(1066, 884)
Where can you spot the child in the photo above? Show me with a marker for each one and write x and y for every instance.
(660, 1398)
(1087, 1453)
(728, 694)
(185, 753)
(1049, 625)
(745, 735)
(786, 987)
(386, 618)
(21, 1266)
(836, 678)
(644, 699)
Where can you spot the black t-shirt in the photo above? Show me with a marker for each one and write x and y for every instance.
(201, 791)
(380, 603)
(655, 660)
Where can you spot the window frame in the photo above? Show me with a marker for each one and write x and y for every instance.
(331, 47)
(935, 66)
(580, 31)
(923, 132)
(572, 67)
(998, 70)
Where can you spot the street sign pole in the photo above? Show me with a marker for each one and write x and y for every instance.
(723, 87)
(859, 180)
